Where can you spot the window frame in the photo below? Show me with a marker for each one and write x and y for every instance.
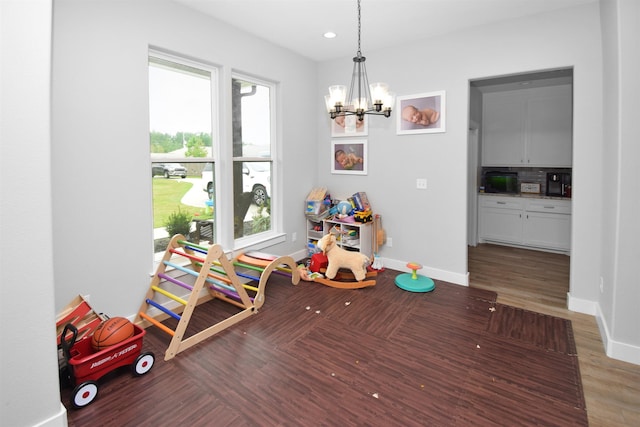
(275, 235)
(214, 80)
(221, 79)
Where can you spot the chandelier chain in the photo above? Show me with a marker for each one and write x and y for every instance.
(359, 27)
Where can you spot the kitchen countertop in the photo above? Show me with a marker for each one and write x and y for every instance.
(526, 195)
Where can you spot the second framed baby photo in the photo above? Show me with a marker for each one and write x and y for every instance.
(421, 113)
(349, 157)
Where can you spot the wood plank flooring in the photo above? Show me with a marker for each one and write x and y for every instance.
(539, 281)
(316, 355)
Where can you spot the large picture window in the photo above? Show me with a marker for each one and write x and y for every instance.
(211, 192)
(181, 149)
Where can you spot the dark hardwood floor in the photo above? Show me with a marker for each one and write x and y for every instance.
(316, 355)
(539, 281)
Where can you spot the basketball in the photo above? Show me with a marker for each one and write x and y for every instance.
(111, 332)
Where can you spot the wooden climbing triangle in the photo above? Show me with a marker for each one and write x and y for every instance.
(216, 278)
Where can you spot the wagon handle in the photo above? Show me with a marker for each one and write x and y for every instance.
(66, 345)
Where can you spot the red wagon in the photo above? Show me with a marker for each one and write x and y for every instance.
(86, 366)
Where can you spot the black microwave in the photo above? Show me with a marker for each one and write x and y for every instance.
(500, 182)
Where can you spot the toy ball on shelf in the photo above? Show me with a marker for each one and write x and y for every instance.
(111, 332)
(345, 208)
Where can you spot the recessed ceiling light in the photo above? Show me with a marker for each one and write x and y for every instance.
(329, 35)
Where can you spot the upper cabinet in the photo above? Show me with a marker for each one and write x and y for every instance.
(528, 127)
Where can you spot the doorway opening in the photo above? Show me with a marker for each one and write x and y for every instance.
(519, 235)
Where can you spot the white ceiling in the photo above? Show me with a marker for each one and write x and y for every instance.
(298, 25)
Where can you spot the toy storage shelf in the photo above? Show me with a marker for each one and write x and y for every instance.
(357, 236)
(314, 233)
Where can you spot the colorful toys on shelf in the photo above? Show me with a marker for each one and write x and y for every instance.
(363, 216)
(345, 209)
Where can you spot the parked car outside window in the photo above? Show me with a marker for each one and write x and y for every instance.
(168, 170)
(256, 179)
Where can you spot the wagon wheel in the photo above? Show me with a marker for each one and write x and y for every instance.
(143, 363)
(84, 394)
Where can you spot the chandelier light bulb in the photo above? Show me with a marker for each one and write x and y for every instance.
(389, 100)
(379, 92)
(328, 101)
(360, 104)
(338, 94)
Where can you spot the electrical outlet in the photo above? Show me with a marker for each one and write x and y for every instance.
(294, 236)
(389, 241)
(421, 184)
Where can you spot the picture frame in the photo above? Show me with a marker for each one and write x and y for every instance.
(349, 126)
(427, 105)
(356, 160)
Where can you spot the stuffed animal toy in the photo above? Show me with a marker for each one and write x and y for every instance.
(341, 258)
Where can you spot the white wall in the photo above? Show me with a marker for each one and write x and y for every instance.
(430, 226)
(99, 119)
(618, 303)
(100, 150)
(29, 367)
(100, 115)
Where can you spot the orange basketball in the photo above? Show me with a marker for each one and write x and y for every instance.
(111, 332)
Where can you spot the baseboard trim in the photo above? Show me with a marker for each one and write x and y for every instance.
(299, 255)
(616, 349)
(581, 305)
(57, 420)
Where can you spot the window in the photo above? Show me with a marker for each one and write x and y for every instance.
(252, 122)
(208, 191)
(181, 149)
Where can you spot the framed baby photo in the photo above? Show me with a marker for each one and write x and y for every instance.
(421, 113)
(349, 157)
(349, 126)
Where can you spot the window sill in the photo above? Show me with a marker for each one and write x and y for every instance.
(259, 242)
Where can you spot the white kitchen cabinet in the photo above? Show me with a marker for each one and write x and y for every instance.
(502, 129)
(526, 222)
(545, 230)
(500, 219)
(549, 126)
(528, 127)
(547, 223)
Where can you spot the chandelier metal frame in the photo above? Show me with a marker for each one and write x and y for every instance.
(359, 100)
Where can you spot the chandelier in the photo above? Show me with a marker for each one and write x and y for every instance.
(362, 98)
